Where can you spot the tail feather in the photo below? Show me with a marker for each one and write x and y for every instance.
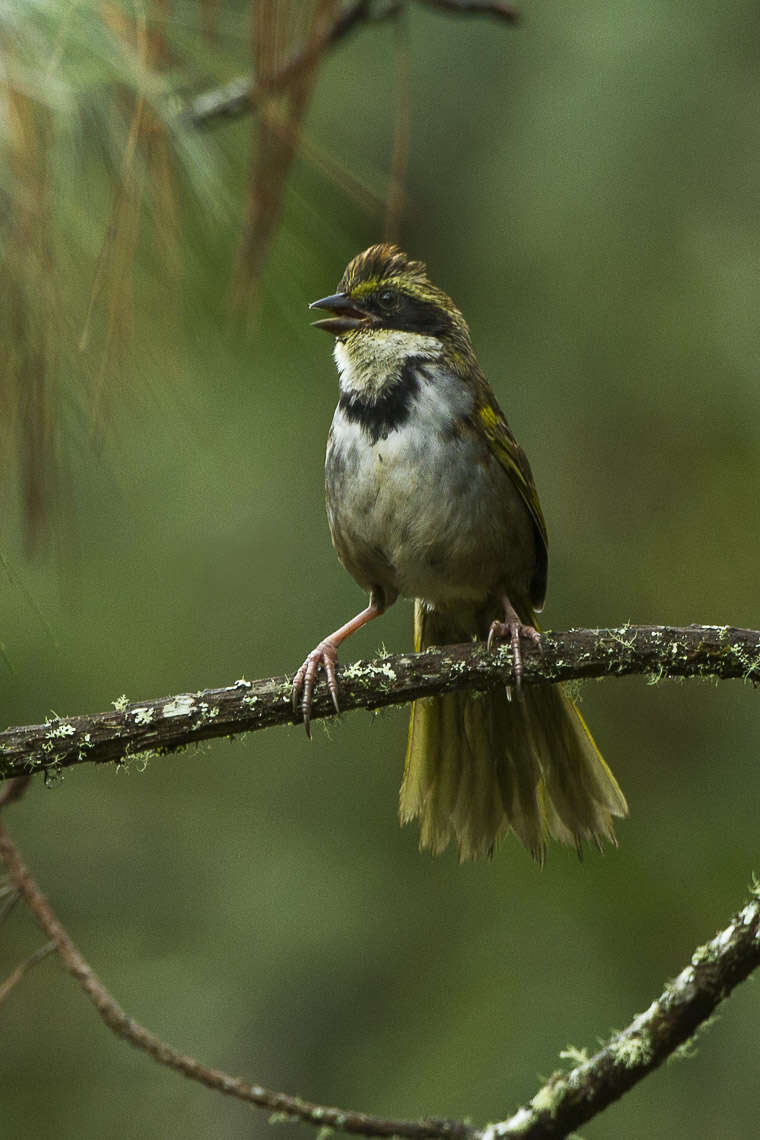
(479, 764)
(479, 818)
(443, 781)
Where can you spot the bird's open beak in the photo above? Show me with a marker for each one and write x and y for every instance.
(347, 315)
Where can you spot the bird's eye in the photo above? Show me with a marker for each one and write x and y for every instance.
(386, 298)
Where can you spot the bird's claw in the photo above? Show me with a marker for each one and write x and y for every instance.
(514, 630)
(326, 656)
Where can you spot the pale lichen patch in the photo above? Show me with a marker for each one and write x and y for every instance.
(366, 671)
(183, 705)
(59, 729)
(207, 712)
(748, 914)
(140, 760)
(573, 1055)
(722, 940)
(701, 954)
(549, 1098)
(686, 978)
(632, 1050)
(521, 1121)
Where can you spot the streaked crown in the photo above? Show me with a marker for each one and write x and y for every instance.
(382, 263)
(391, 290)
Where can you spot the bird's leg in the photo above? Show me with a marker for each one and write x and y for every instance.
(514, 629)
(326, 655)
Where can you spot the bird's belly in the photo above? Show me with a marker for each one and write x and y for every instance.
(428, 517)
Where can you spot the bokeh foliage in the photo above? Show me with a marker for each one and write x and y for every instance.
(586, 188)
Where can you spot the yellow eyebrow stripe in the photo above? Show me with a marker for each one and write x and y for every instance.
(365, 287)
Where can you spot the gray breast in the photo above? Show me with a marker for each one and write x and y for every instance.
(417, 505)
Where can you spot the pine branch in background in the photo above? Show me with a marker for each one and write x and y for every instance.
(103, 81)
(72, 77)
(394, 207)
(501, 11)
(278, 26)
(144, 176)
(244, 95)
(28, 313)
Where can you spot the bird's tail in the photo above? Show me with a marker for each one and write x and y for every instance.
(478, 764)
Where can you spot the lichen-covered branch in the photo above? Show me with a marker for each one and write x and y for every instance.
(566, 1101)
(164, 724)
(569, 1099)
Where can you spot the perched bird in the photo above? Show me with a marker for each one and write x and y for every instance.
(430, 496)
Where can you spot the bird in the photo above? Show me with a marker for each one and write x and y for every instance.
(430, 497)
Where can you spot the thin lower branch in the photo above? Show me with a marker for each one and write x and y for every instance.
(120, 1023)
(14, 789)
(8, 899)
(165, 724)
(23, 969)
(566, 1101)
(570, 1099)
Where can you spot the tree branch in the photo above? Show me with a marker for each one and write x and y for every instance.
(495, 8)
(568, 1100)
(323, 1116)
(242, 95)
(165, 724)
(23, 969)
(565, 1101)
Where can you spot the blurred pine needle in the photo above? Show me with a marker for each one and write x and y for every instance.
(90, 95)
(280, 30)
(28, 313)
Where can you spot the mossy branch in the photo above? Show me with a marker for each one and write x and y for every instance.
(165, 724)
(665, 1029)
(566, 1101)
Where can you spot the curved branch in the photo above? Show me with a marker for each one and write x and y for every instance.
(23, 969)
(324, 1116)
(568, 1100)
(165, 724)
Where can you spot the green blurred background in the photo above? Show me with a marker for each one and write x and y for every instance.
(586, 188)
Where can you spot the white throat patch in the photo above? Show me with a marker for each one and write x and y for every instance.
(376, 359)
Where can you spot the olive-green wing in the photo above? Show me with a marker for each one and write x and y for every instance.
(491, 422)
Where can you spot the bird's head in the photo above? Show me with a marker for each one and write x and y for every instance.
(385, 296)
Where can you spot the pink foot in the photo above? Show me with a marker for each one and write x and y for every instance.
(514, 630)
(326, 656)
